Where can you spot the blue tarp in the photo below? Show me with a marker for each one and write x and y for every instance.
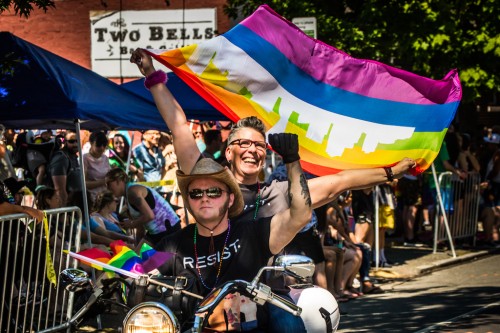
(47, 91)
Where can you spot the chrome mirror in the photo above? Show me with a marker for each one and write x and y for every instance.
(296, 264)
(74, 279)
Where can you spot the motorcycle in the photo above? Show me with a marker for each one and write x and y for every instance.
(162, 304)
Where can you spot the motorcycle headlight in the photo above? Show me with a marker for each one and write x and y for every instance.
(151, 317)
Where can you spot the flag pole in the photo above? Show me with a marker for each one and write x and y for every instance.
(126, 273)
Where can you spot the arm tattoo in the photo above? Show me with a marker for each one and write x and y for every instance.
(305, 190)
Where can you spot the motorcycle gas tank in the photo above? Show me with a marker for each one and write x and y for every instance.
(320, 310)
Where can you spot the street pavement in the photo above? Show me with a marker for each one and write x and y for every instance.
(461, 298)
(410, 261)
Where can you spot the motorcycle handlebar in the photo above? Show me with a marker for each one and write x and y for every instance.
(284, 304)
(262, 293)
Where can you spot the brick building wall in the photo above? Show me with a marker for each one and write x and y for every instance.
(65, 30)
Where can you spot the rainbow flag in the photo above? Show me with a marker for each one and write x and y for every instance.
(96, 254)
(152, 259)
(125, 258)
(348, 112)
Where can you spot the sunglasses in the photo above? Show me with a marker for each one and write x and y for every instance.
(71, 141)
(245, 143)
(212, 193)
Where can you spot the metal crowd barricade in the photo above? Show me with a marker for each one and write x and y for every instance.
(461, 203)
(29, 301)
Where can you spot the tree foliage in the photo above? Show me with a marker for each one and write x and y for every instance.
(25, 7)
(428, 37)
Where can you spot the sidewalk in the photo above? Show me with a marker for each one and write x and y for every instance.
(415, 261)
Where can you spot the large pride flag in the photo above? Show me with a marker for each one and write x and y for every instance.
(348, 113)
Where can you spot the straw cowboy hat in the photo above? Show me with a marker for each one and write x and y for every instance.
(208, 168)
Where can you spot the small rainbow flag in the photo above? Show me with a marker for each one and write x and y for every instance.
(96, 254)
(152, 259)
(348, 113)
(127, 259)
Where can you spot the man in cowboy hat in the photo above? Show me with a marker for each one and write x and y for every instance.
(215, 249)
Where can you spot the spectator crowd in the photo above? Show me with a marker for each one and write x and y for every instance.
(132, 195)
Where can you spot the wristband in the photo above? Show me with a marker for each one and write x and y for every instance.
(389, 174)
(155, 78)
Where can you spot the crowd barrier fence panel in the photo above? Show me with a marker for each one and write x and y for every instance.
(461, 202)
(29, 301)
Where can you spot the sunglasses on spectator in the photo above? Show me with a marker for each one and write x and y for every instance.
(72, 141)
(245, 143)
(212, 193)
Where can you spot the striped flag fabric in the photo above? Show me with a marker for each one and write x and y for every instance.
(152, 259)
(96, 254)
(123, 257)
(348, 113)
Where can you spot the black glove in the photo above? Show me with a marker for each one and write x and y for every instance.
(285, 144)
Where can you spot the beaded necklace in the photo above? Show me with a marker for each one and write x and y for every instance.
(211, 247)
(221, 257)
(257, 202)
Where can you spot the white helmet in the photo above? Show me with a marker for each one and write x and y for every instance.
(320, 311)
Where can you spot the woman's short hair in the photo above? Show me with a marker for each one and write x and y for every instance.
(248, 122)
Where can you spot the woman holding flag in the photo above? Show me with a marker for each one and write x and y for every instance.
(246, 152)
(246, 166)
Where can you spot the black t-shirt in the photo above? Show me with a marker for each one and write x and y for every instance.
(65, 164)
(246, 251)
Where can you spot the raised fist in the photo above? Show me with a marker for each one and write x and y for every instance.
(285, 144)
(143, 61)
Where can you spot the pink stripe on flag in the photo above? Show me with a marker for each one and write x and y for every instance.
(334, 67)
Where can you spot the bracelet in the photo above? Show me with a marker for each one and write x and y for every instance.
(155, 78)
(389, 174)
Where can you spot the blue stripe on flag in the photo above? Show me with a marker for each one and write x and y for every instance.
(424, 118)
